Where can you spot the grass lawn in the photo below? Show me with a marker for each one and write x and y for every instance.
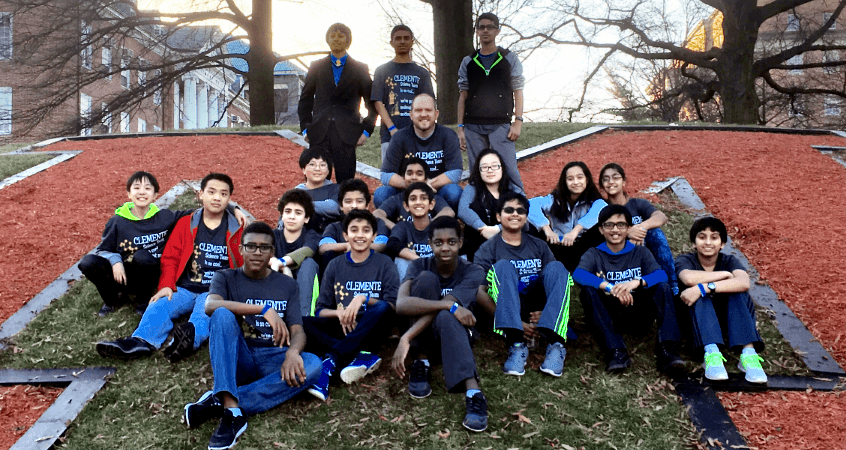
(140, 407)
(12, 164)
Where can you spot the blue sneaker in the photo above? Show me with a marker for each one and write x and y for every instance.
(321, 388)
(751, 365)
(201, 411)
(363, 364)
(516, 363)
(714, 368)
(476, 415)
(228, 431)
(418, 380)
(554, 362)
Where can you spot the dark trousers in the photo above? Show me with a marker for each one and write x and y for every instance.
(141, 280)
(730, 315)
(326, 337)
(570, 256)
(446, 338)
(343, 155)
(608, 318)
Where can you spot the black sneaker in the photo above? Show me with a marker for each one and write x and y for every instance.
(141, 308)
(227, 433)
(199, 412)
(418, 380)
(105, 310)
(126, 348)
(618, 360)
(667, 358)
(476, 416)
(183, 342)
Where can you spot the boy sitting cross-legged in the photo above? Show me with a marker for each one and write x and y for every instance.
(528, 291)
(411, 239)
(715, 286)
(317, 168)
(393, 209)
(295, 245)
(623, 286)
(358, 289)
(200, 245)
(267, 367)
(438, 293)
(353, 194)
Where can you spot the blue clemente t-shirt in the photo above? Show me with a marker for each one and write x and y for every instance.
(395, 210)
(210, 255)
(277, 290)
(633, 262)
(640, 210)
(463, 284)
(411, 237)
(345, 279)
(529, 258)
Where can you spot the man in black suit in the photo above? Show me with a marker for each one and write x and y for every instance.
(330, 100)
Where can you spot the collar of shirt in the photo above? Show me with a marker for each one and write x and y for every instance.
(338, 62)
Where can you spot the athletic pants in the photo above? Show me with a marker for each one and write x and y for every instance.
(733, 313)
(480, 137)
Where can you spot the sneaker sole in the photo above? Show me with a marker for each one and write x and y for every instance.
(421, 396)
(317, 394)
(113, 351)
(551, 372)
(514, 373)
(350, 375)
(234, 441)
(754, 381)
(474, 429)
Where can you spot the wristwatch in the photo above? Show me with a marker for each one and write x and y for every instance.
(712, 287)
(518, 118)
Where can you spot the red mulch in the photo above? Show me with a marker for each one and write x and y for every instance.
(20, 408)
(781, 201)
(746, 179)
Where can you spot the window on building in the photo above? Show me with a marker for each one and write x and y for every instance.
(124, 122)
(125, 73)
(85, 114)
(106, 57)
(157, 95)
(281, 98)
(5, 110)
(826, 17)
(142, 72)
(107, 118)
(792, 22)
(142, 125)
(157, 128)
(796, 61)
(5, 36)
(830, 56)
(832, 106)
(87, 53)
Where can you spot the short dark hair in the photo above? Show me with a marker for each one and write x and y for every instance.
(219, 177)
(445, 222)
(342, 28)
(353, 184)
(410, 159)
(360, 214)
(612, 210)
(258, 227)
(490, 16)
(508, 196)
(315, 152)
(140, 176)
(418, 185)
(401, 27)
(705, 223)
(299, 197)
(422, 95)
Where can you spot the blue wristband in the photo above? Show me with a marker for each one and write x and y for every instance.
(461, 125)
(608, 287)
(454, 308)
(366, 133)
(265, 309)
(392, 128)
(702, 289)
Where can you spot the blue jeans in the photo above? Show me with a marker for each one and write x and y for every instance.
(252, 374)
(734, 313)
(306, 277)
(556, 284)
(450, 192)
(158, 318)
(657, 243)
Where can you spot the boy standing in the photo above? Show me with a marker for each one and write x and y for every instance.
(412, 238)
(622, 284)
(438, 293)
(295, 245)
(358, 289)
(200, 245)
(317, 168)
(247, 374)
(392, 210)
(528, 290)
(716, 288)
(396, 83)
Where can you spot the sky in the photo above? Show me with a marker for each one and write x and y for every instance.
(553, 75)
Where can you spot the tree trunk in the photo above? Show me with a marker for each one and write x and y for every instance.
(453, 20)
(261, 61)
(735, 68)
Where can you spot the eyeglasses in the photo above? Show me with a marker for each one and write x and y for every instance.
(491, 168)
(608, 226)
(263, 248)
(486, 27)
(615, 177)
(313, 166)
(512, 210)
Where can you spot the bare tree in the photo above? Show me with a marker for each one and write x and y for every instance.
(54, 41)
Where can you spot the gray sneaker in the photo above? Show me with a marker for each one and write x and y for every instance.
(554, 362)
(516, 362)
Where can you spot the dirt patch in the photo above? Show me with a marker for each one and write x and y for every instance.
(20, 408)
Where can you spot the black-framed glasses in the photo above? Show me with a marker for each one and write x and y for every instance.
(486, 27)
(608, 226)
(262, 248)
(490, 168)
(512, 210)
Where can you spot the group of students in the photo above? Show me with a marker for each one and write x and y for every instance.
(291, 308)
